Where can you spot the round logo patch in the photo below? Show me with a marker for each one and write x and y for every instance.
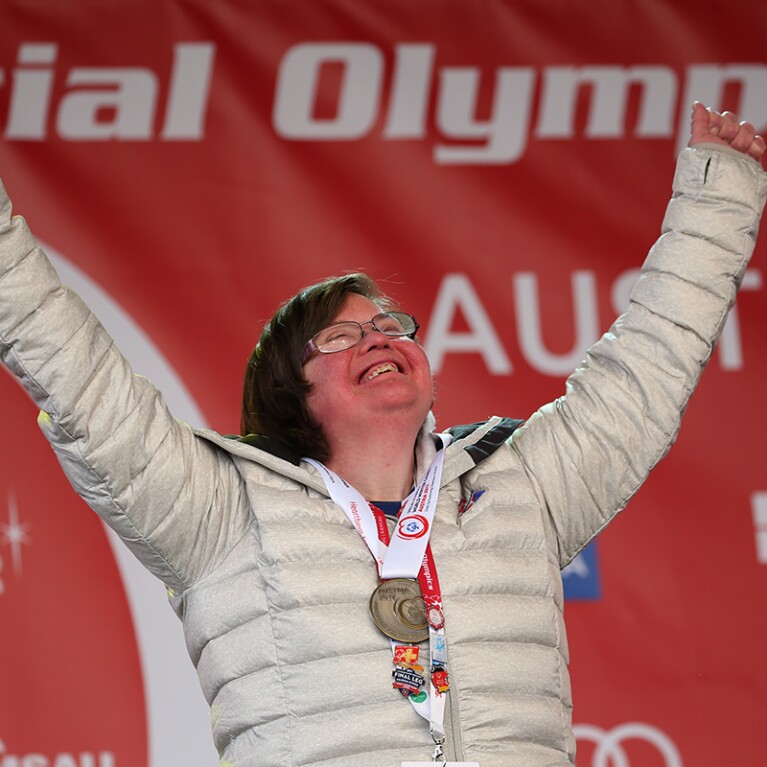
(413, 526)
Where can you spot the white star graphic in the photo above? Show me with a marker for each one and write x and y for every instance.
(14, 534)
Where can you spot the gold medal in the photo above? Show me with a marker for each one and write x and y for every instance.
(399, 611)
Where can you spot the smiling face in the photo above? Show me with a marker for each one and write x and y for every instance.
(379, 378)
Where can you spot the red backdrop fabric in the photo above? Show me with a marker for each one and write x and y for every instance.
(502, 167)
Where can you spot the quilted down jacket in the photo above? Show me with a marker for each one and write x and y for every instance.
(272, 582)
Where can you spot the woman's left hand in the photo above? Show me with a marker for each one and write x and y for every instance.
(710, 126)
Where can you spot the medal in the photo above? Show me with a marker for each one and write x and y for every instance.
(398, 610)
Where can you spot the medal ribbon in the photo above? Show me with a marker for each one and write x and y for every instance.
(356, 509)
(405, 555)
(432, 709)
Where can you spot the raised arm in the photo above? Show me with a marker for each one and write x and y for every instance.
(170, 496)
(588, 452)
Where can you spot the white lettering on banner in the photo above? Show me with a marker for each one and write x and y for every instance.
(504, 131)
(610, 98)
(610, 750)
(408, 106)
(505, 134)
(528, 319)
(128, 95)
(457, 294)
(132, 102)
(759, 511)
(296, 93)
(83, 759)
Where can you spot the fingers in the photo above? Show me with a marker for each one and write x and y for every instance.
(758, 148)
(701, 123)
(724, 128)
(741, 136)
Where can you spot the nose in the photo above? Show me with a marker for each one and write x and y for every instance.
(373, 337)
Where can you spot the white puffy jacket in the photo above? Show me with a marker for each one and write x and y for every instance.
(272, 582)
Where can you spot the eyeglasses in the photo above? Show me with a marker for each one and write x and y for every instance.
(344, 335)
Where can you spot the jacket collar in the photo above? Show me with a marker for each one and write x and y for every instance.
(472, 444)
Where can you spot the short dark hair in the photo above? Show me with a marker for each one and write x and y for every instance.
(275, 389)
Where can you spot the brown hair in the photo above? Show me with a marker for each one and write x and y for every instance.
(275, 390)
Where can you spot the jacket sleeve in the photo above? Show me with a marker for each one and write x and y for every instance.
(173, 498)
(588, 452)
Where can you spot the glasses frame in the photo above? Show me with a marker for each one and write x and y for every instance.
(311, 345)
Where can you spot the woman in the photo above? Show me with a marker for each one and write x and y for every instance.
(268, 543)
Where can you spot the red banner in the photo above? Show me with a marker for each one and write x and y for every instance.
(502, 168)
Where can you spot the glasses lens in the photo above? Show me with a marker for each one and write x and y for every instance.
(344, 335)
(338, 337)
(394, 323)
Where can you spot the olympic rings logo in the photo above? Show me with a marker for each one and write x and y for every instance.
(609, 751)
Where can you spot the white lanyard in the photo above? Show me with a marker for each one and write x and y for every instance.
(406, 550)
(404, 556)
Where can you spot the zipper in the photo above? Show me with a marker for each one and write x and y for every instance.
(453, 741)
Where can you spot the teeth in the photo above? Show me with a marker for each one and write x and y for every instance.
(388, 367)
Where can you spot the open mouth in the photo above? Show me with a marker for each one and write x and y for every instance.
(386, 367)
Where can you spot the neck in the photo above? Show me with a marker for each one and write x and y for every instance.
(378, 463)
